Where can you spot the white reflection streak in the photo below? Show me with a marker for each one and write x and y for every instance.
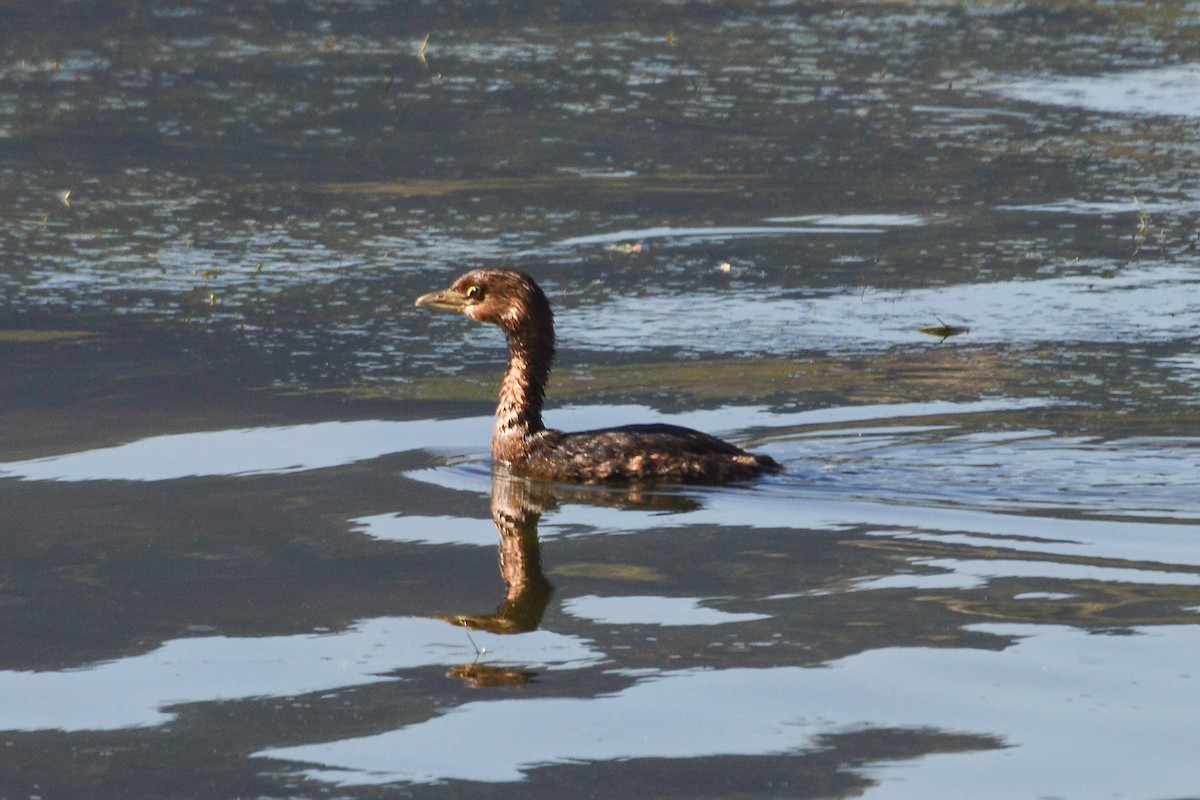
(652, 610)
(732, 232)
(1126, 699)
(1167, 91)
(136, 691)
(251, 451)
(967, 574)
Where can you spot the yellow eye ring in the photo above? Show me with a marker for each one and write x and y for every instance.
(474, 293)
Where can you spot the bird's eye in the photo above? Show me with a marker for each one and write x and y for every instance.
(474, 293)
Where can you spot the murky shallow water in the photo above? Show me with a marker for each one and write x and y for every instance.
(250, 529)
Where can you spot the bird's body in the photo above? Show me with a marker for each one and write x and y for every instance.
(523, 444)
(634, 453)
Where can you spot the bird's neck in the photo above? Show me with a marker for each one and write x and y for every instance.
(519, 415)
(516, 513)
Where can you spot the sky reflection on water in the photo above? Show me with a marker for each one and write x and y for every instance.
(142, 690)
(1139, 745)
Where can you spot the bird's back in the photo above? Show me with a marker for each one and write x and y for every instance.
(642, 453)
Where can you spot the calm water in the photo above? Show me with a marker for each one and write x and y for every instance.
(250, 532)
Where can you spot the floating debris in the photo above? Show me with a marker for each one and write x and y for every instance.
(64, 197)
(627, 248)
(421, 51)
(724, 266)
(1144, 229)
(944, 331)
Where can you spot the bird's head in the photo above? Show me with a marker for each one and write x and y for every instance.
(505, 297)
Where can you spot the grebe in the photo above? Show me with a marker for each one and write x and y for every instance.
(524, 445)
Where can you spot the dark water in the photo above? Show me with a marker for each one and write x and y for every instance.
(249, 529)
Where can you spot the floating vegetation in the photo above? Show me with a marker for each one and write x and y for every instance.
(482, 676)
(25, 335)
(920, 375)
(664, 183)
(612, 572)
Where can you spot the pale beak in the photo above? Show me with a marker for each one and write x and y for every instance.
(444, 300)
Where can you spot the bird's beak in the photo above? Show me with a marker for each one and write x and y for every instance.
(444, 300)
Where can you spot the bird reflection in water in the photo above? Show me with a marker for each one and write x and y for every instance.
(517, 507)
(516, 511)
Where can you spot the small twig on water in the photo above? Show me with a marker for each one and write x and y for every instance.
(479, 651)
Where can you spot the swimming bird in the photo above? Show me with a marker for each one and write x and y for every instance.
(521, 442)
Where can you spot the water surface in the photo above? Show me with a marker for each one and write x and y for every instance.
(940, 260)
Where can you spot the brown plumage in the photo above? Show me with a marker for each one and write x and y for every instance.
(522, 443)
